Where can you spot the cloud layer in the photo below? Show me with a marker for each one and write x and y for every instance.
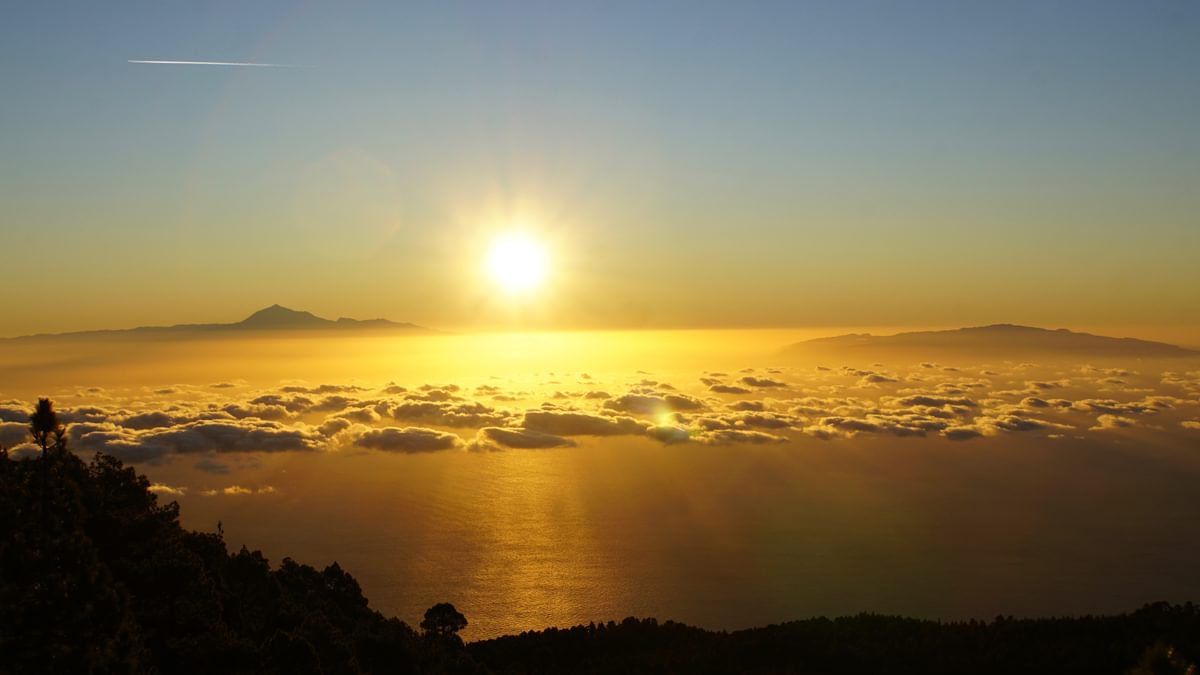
(773, 406)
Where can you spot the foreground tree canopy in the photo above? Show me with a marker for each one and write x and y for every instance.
(97, 577)
(443, 620)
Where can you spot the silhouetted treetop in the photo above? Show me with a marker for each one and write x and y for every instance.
(443, 620)
(43, 424)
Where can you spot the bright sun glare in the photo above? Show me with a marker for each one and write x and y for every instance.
(516, 263)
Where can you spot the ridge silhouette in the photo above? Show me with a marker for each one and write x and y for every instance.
(1001, 339)
(273, 318)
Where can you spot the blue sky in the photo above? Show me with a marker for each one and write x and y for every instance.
(693, 163)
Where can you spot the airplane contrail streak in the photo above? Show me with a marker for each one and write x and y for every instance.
(219, 63)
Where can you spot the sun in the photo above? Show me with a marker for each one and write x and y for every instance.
(517, 263)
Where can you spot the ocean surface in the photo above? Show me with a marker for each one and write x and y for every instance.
(1047, 510)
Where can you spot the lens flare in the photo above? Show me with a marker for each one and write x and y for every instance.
(516, 263)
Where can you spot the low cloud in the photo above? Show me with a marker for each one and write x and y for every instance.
(1150, 405)
(239, 491)
(895, 425)
(875, 379)
(152, 424)
(762, 382)
(254, 410)
(322, 389)
(668, 434)
(408, 440)
(961, 433)
(12, 433)
(647, 404)
(14, 413)
(754, 406)
(431, 393)
(581, 424)
(736, 436)
(245, 436)
(671, 435)
(1043, 384)
(450, 414)
(1105, 422)
(203, 436)
(358, 415)
(746, 420)
(170, 491)
(936, 401)
(1017, 423)
(292, 404)
(150, 420)
(496, 438)
(334, 426)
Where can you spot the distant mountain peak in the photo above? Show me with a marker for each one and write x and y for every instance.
(278, 316)
(1005, 326)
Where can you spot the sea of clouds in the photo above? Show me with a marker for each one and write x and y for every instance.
(550, 412)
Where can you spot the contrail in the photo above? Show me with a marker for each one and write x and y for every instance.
(220, 63)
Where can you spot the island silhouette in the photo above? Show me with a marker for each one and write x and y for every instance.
(1002, 340)
(275, 318)
(996, 340)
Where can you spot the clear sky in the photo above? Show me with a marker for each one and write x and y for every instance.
(684, 163)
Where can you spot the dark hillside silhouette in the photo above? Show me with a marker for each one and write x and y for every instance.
(108, 581)
(866, 643)
(96, 576)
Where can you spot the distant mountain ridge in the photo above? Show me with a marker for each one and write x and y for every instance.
(273, 318)
(999, 339)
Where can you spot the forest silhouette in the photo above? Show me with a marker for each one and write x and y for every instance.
(96, 576)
